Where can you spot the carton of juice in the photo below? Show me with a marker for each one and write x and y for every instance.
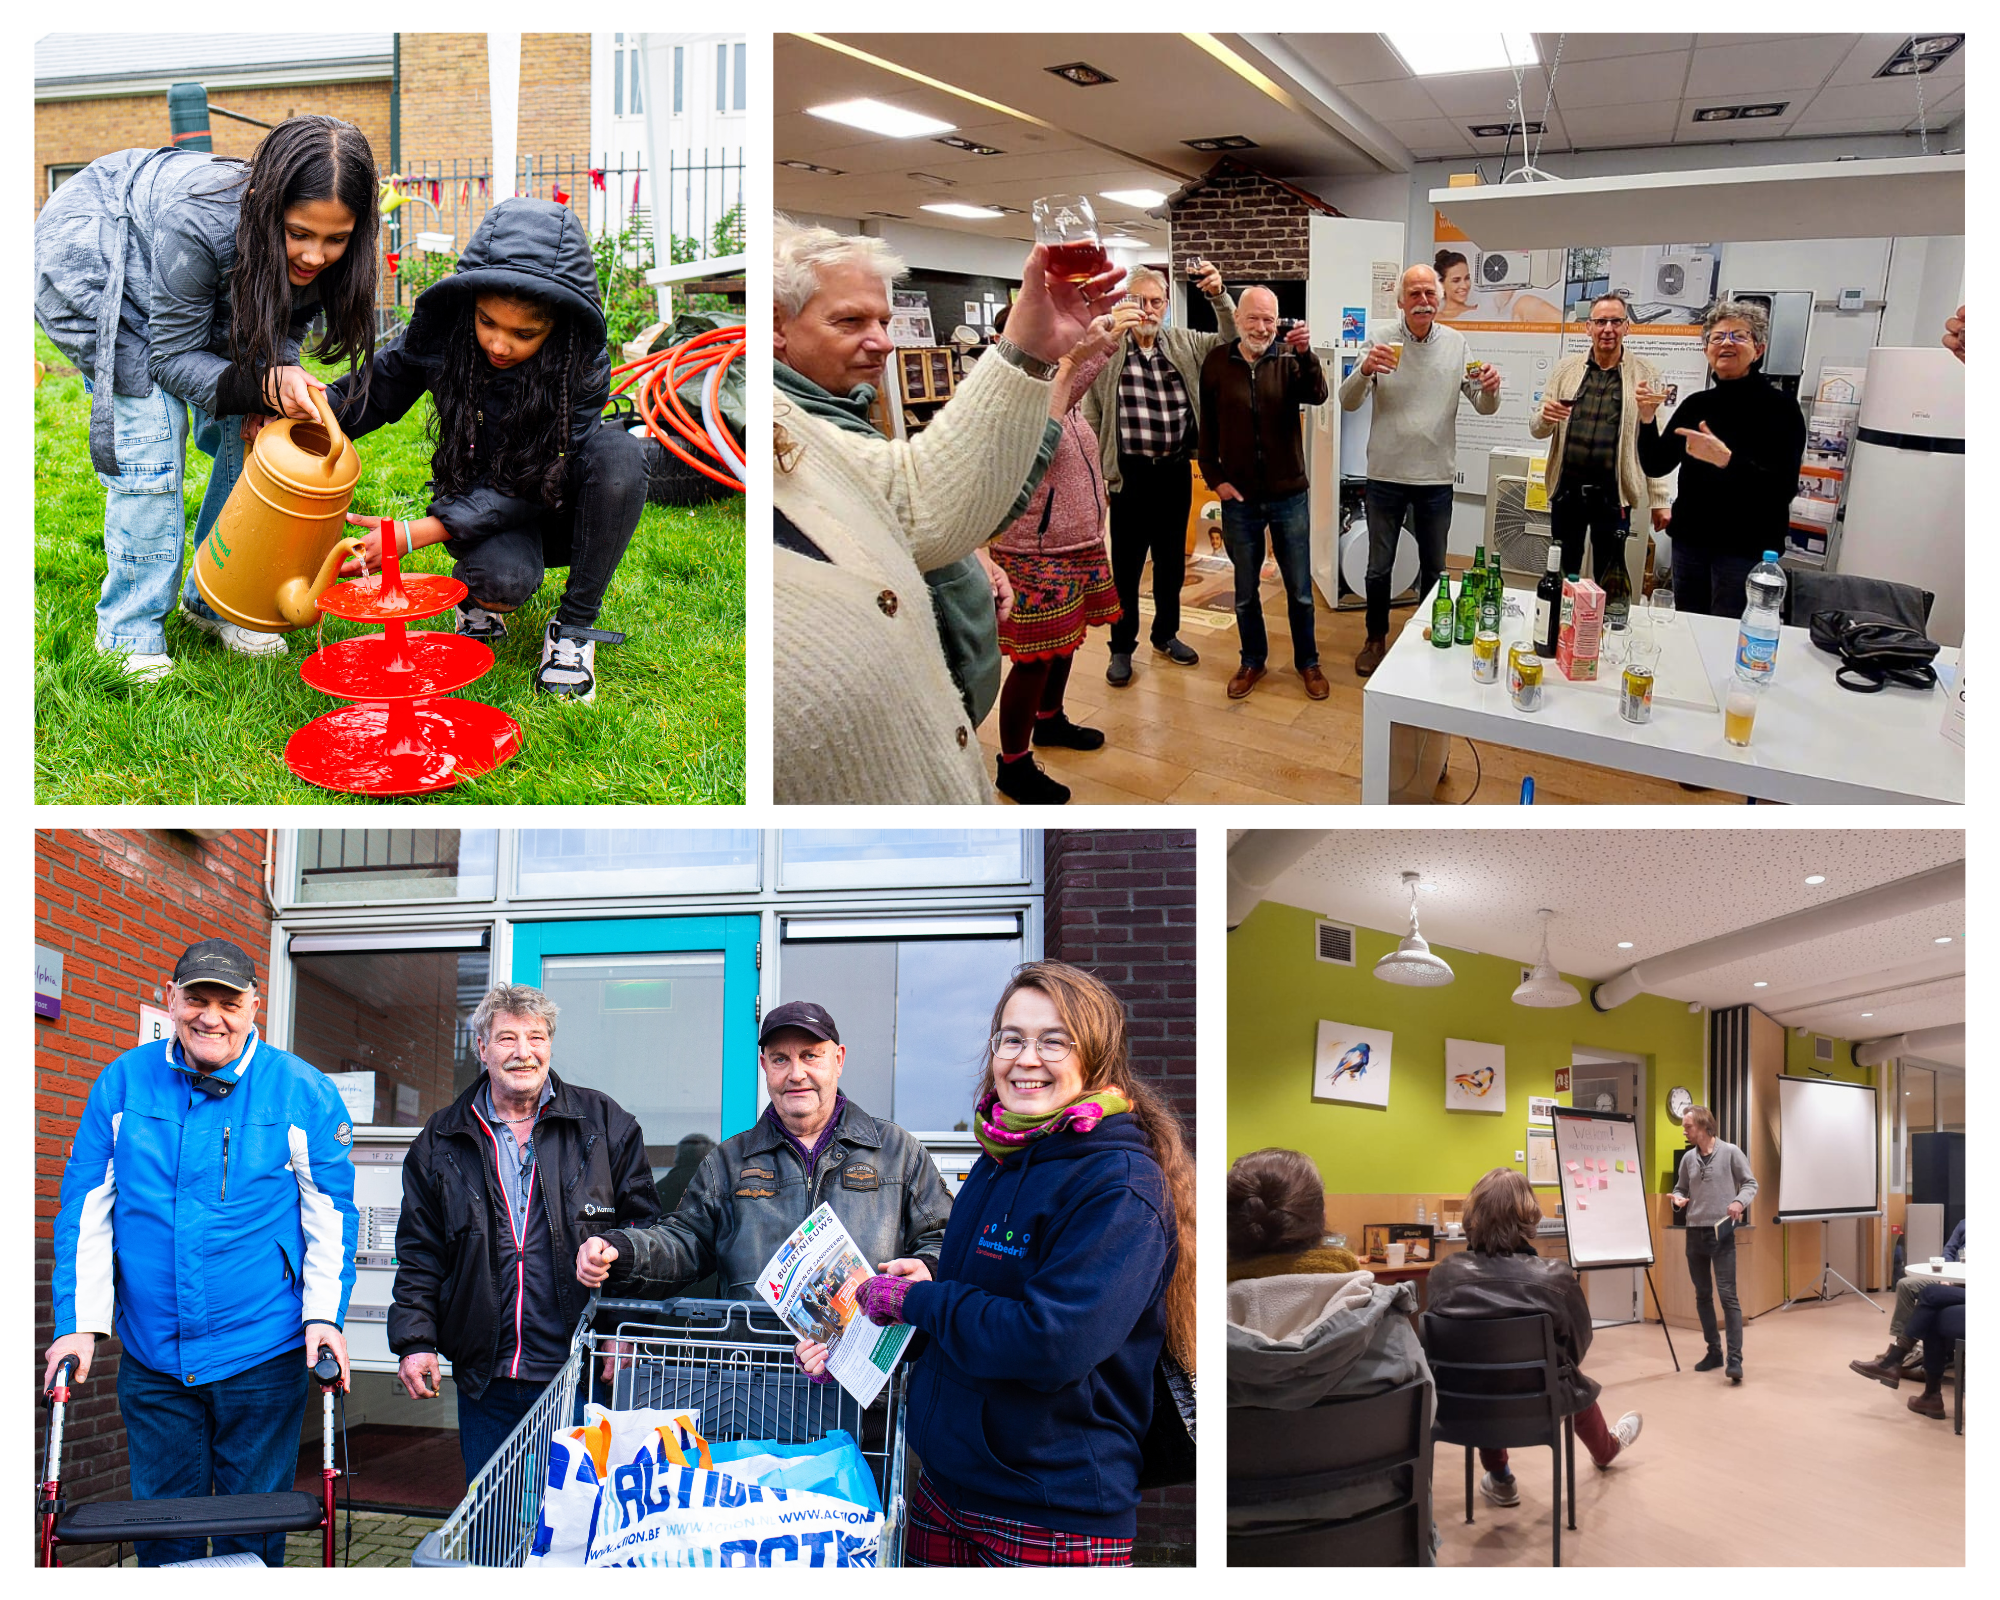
(1582, 629)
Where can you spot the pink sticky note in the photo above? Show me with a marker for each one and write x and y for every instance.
(1603, 1182)
(1603, 1165)
(1583, 1205)
(1571, 1165)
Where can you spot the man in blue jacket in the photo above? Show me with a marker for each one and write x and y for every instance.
(208, 1212)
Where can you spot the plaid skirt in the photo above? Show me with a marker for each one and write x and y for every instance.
(1057, 599)
(937, 1536)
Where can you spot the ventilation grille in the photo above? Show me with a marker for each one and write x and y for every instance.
(1822, 1049)
(1334, 942)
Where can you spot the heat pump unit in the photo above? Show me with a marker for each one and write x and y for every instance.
(1518, 536)
(1517, 269)
(1683, 276)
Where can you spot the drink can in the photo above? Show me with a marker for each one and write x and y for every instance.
(1474, 368)
(1525, 678)
(1635, 701)
(1486, 657)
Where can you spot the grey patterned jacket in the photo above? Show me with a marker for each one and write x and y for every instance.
(132, 264)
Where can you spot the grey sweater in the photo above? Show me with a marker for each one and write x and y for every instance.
(1711, 1183)
(1413, 435)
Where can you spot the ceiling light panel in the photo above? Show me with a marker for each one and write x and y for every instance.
(876, 116)
(970, 213)
(1438, 51)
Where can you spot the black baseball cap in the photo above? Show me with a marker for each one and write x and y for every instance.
(215, 961)
(803, 1015)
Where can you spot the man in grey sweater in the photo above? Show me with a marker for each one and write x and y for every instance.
(1416, 377)
(1714, 1186)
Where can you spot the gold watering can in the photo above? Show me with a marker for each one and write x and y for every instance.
(279, 542)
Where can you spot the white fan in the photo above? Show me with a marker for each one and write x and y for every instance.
(1519, 536)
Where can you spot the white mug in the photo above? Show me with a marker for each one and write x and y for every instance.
(1396, 1252)
(1938, 1261)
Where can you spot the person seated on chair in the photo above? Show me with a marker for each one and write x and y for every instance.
(1888, 1366)
(1277, 1218)
(1500, 1275)
(510, 347)
(1939, 1322)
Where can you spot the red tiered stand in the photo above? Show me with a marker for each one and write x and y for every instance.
(403, 736)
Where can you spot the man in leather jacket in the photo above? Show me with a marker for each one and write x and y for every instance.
(497, 1189)
(811, 1145)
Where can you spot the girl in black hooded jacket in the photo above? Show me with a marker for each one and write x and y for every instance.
(510, 347)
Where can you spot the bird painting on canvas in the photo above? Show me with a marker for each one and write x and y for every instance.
(1476, 1082)
(1352, 1064)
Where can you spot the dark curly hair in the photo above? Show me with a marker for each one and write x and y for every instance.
(301, 160)
(1276, 1204)
(530, 456)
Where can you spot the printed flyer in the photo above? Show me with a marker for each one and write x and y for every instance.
(811, 1283)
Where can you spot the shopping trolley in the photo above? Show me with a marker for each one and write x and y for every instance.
(729, 1360)
(239, 1516)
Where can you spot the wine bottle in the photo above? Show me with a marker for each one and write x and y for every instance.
(1548, 605)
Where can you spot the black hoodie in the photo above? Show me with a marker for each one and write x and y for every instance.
(535, 246)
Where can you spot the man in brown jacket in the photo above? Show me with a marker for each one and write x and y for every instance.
(1253, 454)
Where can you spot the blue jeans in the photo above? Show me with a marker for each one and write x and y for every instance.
(145, 518)
(222, 438)
(238, 1435)
(1707, 584)
(1243, 525)
(1386, 504)
(483, 1424)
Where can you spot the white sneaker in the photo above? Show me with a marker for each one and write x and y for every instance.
(472, 621)
(1501, 1491)
(1626, 1431)
(243, 641)
(569, 661)
(143, 668)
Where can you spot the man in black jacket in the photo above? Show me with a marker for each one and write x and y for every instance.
(494, 1189)
(1253, 457)
(811, 1145)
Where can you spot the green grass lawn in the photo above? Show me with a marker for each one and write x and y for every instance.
(667, 727)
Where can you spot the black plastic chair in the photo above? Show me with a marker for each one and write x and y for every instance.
(1340, 1443)
(1812, 592)
(1499, 1387)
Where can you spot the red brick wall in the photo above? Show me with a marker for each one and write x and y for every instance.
(1249, 226)
(121, 905)
(1121, 905)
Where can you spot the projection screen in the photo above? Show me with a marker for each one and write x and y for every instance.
(1826, 1150)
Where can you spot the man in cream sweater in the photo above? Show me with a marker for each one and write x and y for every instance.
(1715, 1186)
(1416, 377)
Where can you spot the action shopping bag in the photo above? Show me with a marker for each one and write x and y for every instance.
(580, 1459)
(833, 1466)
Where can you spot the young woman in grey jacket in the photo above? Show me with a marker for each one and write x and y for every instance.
(177, 280)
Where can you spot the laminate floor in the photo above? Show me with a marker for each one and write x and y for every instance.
(1803, 1464)
(1174, 736)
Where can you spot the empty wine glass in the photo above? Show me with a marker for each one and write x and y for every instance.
(1067, 227)
(1661, 605)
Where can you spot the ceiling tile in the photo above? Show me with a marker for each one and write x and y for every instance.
(1344, 59)
(1885, 97)
(1602, 46)
(1652, 122)
(1747, 71)
(1871, 50)
(1620, 81)
(1394, 102)
(1483, 96)
(1432, 137)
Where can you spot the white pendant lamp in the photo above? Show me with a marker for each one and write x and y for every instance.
(1545, 986)
(1411, 962)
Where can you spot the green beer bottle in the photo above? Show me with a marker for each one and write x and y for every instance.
(1490, 602)
(1478, 576)
(1441, 614)
(1468, 612)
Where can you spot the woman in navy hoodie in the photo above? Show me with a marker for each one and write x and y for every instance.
(1068, 1262)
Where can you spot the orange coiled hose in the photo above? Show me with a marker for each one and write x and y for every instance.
(658, 402)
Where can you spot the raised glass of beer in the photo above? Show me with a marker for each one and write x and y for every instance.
(1067, 227)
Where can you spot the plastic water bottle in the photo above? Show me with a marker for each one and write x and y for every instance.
(1757, 638)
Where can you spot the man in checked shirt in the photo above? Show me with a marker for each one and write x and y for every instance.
(1143, 410)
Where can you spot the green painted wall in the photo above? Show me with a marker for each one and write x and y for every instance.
(1278, 994)
(1799, 1060)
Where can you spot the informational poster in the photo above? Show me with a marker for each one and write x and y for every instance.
(1475, 1076)
(1352, 1064)
(1603, 1190)
(910, 318)
(1353, 324)
(1542, 1168)
(1384, 279)
(1830, 425)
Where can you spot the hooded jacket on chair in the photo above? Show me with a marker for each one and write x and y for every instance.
(522, 246)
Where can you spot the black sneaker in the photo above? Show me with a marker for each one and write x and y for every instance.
(1026, 784)
(1119, 673)
(1058, 730)
(1179, 654)
(1709, 1362)
(476, 622)
(1735, 1372)
(569, 661)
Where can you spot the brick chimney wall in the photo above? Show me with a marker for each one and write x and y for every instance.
(1249, 226)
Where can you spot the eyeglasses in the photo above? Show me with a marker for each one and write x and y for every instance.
(1720, 337)
(1607, 322)
(1051, 1047)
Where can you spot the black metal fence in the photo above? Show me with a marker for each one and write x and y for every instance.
(676, 209)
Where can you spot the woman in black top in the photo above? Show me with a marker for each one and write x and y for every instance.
(1738, 444)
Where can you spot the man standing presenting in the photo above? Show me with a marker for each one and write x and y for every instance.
(1253, 455)
(1590, 409)
(812, 1144)
(208, 1210)
(1416, 377)
(1714, 1187)
(482, 1252)
(1142, 409)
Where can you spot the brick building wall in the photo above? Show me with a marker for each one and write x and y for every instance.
(77, 132)
(1249, 225)
(121, 905)
(1121, 905)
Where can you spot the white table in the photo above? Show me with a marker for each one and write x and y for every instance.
(1950, 1272)
(1814, 742)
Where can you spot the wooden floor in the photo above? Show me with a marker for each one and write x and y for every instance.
(1803, 1464)
(1175, 736)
